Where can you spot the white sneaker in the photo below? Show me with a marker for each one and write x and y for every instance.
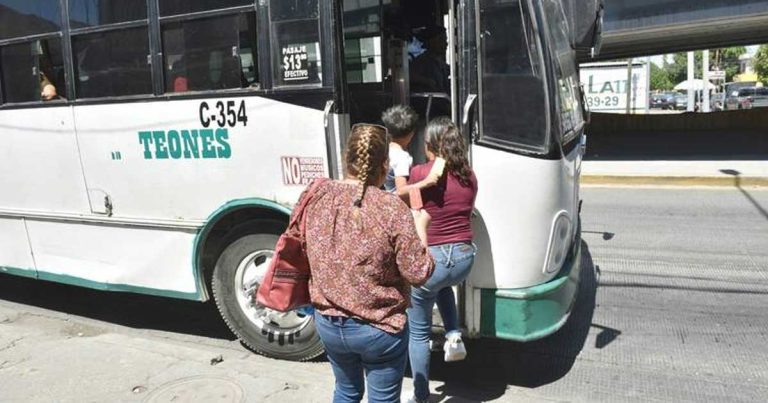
(454, 347)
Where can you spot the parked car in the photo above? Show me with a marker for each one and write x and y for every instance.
(761, 98)
(681, 101)
(731, 91)
(732, 101)
(752, 97)
(664, 100)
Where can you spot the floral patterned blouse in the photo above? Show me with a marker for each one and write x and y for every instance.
(363, 259)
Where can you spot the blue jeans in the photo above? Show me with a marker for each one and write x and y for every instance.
(355, 348)
(452, 265)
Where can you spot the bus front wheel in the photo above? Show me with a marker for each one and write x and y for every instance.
(238, 272)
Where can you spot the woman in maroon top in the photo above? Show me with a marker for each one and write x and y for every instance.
(365, 253)
(450, 204)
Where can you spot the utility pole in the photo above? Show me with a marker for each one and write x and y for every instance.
(691, 87)
(705, 79)
(629, 86)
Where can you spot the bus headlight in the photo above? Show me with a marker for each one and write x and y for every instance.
(559, 242)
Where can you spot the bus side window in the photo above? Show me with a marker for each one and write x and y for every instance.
(176, 7)
(249, 58)
(210, 53)
(93, 13)
(112, 63)
(25, 18)
(296, 34)
(32, 71)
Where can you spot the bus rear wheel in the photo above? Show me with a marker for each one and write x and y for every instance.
(237, 275)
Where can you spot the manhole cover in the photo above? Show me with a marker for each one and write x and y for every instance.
(197, 389)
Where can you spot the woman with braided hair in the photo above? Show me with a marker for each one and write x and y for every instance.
(450, 204)
(366, 249)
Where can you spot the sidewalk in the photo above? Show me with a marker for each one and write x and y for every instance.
(46, 356)
(675, 173)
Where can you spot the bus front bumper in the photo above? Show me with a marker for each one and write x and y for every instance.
(526, 314)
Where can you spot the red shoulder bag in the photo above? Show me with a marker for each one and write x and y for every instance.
(286, 283)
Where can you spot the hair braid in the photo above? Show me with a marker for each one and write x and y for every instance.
(364, 159)
(365, 155)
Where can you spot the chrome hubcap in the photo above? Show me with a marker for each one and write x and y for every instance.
(249, 275)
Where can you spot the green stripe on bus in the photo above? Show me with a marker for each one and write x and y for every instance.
(96, 285)
(531, 313)
(29, 273)
(228, 207)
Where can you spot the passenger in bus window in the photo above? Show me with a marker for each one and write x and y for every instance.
(366, 249)
(47, 77)
(47, 89)
(401, 121)
(429, 71)
(450, 205)
(177, 72)
(180, 84)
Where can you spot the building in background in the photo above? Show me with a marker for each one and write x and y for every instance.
(746, 69)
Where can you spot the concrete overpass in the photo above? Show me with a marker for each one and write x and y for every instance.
(635, 28)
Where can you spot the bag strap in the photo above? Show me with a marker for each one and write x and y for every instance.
(298, 216)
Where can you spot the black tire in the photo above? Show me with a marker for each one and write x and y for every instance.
(290, 336)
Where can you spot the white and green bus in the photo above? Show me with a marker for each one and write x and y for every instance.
(156, 146)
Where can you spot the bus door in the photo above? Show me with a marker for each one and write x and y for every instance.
(505, 111)
(383, 41)
(509, 110)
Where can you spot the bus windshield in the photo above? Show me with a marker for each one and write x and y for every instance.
(513, 98)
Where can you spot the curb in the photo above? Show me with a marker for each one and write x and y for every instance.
(714, 181)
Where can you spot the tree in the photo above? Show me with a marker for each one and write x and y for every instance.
(660, 79)
(726, 59)
(678, 69)
(761, 63)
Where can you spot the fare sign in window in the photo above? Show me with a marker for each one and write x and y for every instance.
(299, 63)
(295, 66)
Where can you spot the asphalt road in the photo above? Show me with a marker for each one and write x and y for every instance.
(671, 308)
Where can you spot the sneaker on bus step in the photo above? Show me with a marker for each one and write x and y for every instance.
(454, 347)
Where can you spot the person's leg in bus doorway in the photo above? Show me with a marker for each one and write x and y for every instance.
(360, 353)
(453, 263)
(446, 304)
